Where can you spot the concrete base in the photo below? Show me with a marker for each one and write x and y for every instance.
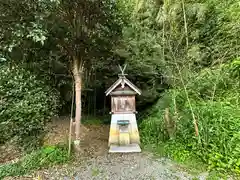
(115, 131)
(131, 148)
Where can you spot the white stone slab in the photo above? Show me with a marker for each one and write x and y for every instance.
(131, 148)
(132, 128)
(115, 117)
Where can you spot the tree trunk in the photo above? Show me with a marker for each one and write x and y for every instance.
(170, 124)
(78, 91)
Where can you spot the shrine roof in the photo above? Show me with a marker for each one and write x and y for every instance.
(123, 81)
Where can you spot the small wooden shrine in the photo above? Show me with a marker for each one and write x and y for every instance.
(124, 135)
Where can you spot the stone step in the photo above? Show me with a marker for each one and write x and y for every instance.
(131, 148)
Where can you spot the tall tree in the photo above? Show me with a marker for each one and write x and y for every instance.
(80, 30)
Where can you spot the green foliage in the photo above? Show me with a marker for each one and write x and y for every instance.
(140, 47)
(48, 35)
(235, 68)
(214, 175)
(26, 105)
(184, 55)
(44, 157)
(180, 154)
(190, 49)
(215, 103)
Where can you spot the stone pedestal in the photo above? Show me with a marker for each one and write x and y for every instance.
(125, 138)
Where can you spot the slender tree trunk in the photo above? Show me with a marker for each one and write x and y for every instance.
(185, 22)
(78, 91)
(170, 124)
(95, 96)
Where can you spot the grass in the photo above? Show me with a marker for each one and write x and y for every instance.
(215, 175)
(95, 172)
(192, 165)
(45, 157)
(91, 120)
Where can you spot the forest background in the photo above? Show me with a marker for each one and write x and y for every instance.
(184, 56)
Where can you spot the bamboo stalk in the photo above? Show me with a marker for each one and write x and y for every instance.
(185, 22)
(186, 93)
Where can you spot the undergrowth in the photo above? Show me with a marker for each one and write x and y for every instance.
(214, 101)
(26, 105)
(44, 157)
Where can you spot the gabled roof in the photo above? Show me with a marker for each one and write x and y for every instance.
(123, 80)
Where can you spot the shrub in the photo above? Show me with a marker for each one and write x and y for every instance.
(218, 119)
(25, 107)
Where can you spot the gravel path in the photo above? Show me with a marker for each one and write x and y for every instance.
(120, 167)
(95, 163)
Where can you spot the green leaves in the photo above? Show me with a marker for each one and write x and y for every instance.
(37, 33)
(235, 68)
(214, 98)
(44, 157)
(27, 104)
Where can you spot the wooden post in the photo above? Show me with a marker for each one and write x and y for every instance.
(70, 137)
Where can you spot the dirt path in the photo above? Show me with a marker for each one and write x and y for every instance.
(95, 163)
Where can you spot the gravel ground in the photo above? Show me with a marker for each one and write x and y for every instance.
(120, 167)
(95, 163)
